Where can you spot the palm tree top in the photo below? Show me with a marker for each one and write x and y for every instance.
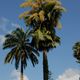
(43, 39)
(41, 11)
(21, 50)
(76, 49)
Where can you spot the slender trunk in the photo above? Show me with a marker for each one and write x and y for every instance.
(45, 66)
(21, 71)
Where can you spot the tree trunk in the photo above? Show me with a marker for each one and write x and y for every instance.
(21, 71)
(45, 66)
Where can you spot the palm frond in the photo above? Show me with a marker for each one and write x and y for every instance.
(41, 15)
(27, 13)
(32, 49)
(30, 4)
(56, 7)
(33, 59)
(33, 17)
(59, 25)
(19, 33)
(26, 4)
(10, 55)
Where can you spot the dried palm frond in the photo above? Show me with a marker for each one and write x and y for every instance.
(49, 15)
(41, 15)
(26, 4)
(59, 25)
(26, 14)
(33, 16)
(30, 4)
(53, 2)
(59, 8)
(35, 5)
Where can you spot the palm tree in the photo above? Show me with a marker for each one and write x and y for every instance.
(43, 17)
(76, 50)
(43, 41)
(21, 50)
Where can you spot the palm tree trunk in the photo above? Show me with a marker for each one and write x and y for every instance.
(21, 70)
(45, 66)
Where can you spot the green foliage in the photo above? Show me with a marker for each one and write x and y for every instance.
(43, 39)
(47, 12)
(21, 50)
(42, 18)
(76, 50)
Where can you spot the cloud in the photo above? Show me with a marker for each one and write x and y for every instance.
(3, 20)
(15, 25)
(3, 23)
(15, 75)
(6, 26)
(70, 74)
(2, 39)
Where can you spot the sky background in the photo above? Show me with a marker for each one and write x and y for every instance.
(61, 61)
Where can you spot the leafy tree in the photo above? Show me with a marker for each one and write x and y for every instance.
(21, 50)
(76, 51)
(43, 17)
(43, 41)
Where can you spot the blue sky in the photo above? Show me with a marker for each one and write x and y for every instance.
(60, 59)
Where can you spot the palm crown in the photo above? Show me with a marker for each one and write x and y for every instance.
(43, 39)
(43, 17)
(21, 49)
(44, 13)
(76, 49)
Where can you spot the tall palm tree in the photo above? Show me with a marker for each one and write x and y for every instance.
(43, 17)
(21, 50)
(76, 50)
(43, 41)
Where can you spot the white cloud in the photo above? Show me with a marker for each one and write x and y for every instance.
(6, 25)
(15, 75)
(70, 74)
(15, 25)
(3, 23)
(2, 39)
(3, 20)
